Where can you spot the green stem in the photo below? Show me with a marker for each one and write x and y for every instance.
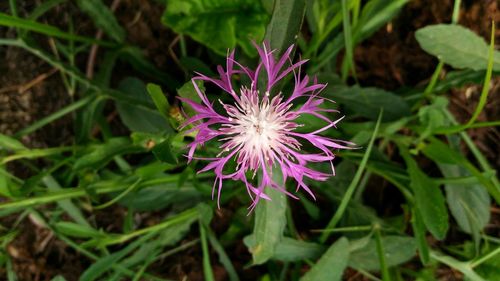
(381, 254)
(67, 193)
(13, 7)
(485, 257)
(179, 218)
(487, 79)
(361, 228)
(354, 183)
(36, 153)
(207, 267)
(456, 12)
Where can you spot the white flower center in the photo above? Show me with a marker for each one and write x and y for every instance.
(258, 128)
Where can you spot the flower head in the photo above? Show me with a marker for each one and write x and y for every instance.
(257, 129)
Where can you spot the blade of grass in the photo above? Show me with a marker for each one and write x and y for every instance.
(71, 209)
(352, 187)
(381, 254)
(13, 21)
(119, 196)
(348, 42)
(121, 238)
(223, 257)
(56, 115)
(35, 153)
(77, 75)
(11, 275)
(458, 128)
(77, 247)
(104, 264)
(456, 11)
(487, 79)
(207, 267)
(66, 193)
(361, 228)
(43, 8)
(13, 7)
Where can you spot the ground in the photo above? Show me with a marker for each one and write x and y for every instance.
(31, 89)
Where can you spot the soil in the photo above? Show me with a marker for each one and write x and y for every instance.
(31, 89)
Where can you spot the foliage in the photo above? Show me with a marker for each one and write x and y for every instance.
(408, 138)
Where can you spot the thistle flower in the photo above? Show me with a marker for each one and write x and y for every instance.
(258, 129)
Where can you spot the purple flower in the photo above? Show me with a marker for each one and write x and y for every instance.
(258, 129)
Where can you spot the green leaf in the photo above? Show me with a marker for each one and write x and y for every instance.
(285, 23)
(469, 203)
(136, 58)
(10, 143)
(136, 118)
(147, 140)
(269, 223)
(419, 231)
(189, 92)
(103, 18)
(292, 250)
(159, 99)
(163, 152)
(331, 265)
(432, 116)
(218, 24)
(397, 250)
(106, 263)
(192, 64)
(11, 21)
(5, 183)
(104, 153)
(346, 198)
(367, 102)
(43, 8)
(443, 154)
(77, 230)
(375, 14)
(66, 204)
(456, 46)
(160, 196)
(86, 119)
(428, 198)
(167, 237)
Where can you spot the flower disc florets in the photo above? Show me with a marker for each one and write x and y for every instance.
(258, 129)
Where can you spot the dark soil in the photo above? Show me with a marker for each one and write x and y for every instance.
(30, 89)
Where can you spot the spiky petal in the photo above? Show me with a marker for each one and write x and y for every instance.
(257, 129)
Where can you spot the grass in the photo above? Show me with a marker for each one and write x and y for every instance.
(121, 195)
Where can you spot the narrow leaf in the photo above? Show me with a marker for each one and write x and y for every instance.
(103, 18)
(428, 198)
(285, 23)
(159, 99)
(269, 223)
(331, 265)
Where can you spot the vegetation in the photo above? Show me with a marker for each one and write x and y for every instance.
(121, 201)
